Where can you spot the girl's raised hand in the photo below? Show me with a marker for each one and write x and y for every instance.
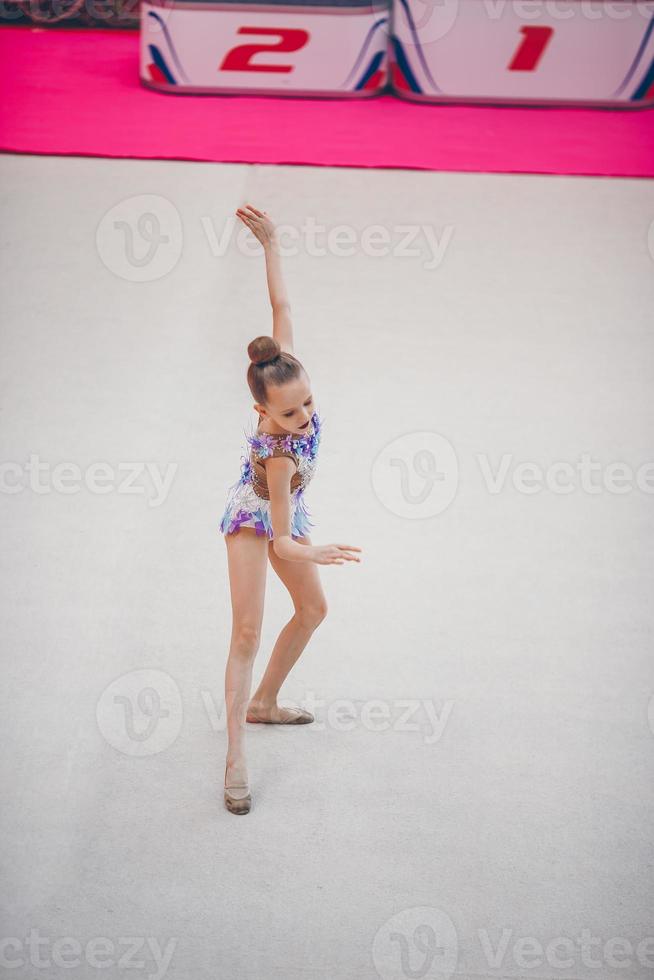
(333, 554)
(259, 223)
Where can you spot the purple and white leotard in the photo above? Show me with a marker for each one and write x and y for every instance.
(248, 502)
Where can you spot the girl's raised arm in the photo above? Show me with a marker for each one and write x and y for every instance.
(262, 226)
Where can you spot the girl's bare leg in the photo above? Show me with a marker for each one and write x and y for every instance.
(247, 564)
(303, 583)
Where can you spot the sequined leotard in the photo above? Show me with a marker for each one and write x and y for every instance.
(248, 502)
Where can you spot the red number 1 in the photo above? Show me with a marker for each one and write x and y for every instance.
(238, 59)
(531, 48)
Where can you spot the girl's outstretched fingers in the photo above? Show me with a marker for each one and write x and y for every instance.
(349, 547)
(333, 554)
(344, 549)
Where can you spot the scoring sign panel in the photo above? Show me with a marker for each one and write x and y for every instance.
(563, 51)
(237, 48)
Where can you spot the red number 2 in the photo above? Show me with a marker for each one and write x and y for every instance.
(238, 59)
(531, 48)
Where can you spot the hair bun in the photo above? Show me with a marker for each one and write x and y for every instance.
(263, 349)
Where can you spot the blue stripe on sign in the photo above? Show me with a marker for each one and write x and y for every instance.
(403, 64)
(639, 54)
(641, 91)
(374, 65)
(157, 57)
(416, 43)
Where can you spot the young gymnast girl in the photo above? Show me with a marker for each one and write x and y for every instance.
(265, 518)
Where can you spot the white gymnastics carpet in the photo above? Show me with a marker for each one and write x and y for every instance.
(475, 797)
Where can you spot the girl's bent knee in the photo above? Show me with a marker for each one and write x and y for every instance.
(312, 616)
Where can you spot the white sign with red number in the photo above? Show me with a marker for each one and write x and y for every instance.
(583, 51)
(233, 48)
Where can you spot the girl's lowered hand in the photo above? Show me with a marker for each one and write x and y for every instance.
(333, 554)
(259, 223)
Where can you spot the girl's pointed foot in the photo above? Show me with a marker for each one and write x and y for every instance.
(238, 798)
(276, 715)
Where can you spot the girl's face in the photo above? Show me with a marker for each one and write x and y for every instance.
(290, 406)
